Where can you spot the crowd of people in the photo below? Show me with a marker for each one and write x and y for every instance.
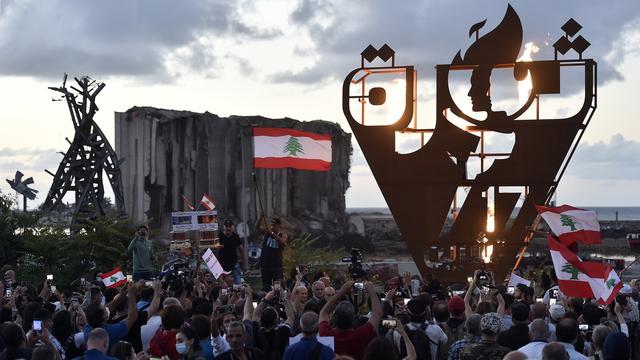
(308, 315)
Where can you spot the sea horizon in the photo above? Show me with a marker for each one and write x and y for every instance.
(605, 213)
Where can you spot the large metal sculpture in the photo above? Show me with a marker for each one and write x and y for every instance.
(89, 155)
(21, 186)
(421, 186)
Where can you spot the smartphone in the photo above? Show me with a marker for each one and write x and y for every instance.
(390, 324)
(511, 290)
(53, 288)
(255, 304)
(406, 301)
(583, 327)
(146, 283)
(539, 299)
(75, 302)
(223, 292)
(37, 326)
(469, 279)
(276, 286)
(457, 292)
(50, 277)
(358, 286)
(83, 282)
(129, 278)
(552, 301)
(7, 291)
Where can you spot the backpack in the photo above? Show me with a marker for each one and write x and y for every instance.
(453, 335)
(420, 341)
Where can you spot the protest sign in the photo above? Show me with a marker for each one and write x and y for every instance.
(213, 264)
(194, 220)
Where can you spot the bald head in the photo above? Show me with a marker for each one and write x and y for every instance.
(515, 355)
(99, 340)
(539, 330)
(539, 310)
(309, 323)
(554, 351)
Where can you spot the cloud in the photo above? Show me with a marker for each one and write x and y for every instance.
(429, 33)
(116, 37)
(614, 160)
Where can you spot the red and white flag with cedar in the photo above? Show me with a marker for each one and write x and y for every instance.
(586, 279)
(113, 278)
(572, 224)
(207, 202)
(276, 148)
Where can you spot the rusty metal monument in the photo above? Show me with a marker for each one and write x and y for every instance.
(88, 157)
(420, 187)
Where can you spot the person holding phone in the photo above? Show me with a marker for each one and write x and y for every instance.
(273, 243)
(141, 249)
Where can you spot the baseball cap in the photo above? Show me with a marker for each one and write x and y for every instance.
(228, 222)
(519, 312)
(490, 323)
(456, 305)
(556, 311)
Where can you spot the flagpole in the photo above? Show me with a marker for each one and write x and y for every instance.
(255, 182)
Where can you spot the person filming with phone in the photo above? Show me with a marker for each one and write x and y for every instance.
(141, 248)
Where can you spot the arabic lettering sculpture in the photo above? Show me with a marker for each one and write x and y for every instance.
(420, 187)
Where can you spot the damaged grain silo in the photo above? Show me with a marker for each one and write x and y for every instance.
(172, 153)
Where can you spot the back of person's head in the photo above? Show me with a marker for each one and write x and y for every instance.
(43, 353)
(269, 318)
(490, 324)
(12, 335)
(122, 350)
(202, 325)
(456, 306)
(473, 324)
(576, 305)
(62, 326)
(27, 314)
(440, 311)
(42, 314)
(309, 323)
(616, 347)
(591, 314)
(98, 339)
(567, 330)
(508, 300)
(190, 334)
(171, 301)
(417, 309)
(380, 348)
(519, 312)
(600, 333)
(109, 294)
(538, 310)
(515, 355)
(172, 317)
(554, 351)
(344, 314)
(205, 308)
(197, 302)
(312, 306)
(484, 307)
(538, 330)
(95, 315)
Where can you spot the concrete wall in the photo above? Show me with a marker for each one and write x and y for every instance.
(169, 153)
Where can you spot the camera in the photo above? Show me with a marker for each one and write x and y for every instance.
(484, 278)
(356, 271)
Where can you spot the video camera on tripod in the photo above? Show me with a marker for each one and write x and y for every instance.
(356, 270)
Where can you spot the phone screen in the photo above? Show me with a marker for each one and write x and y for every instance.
(37, 325)
(583, 327)
(255, 304)
(49, 277)
(552, 301)
(406, 300)
(389, 323)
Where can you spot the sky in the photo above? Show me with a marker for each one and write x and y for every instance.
(280, 58)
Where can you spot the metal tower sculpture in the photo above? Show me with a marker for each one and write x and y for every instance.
(89, 155)
(420, 187)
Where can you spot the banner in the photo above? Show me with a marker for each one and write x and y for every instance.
(213, 264)
(194, 220)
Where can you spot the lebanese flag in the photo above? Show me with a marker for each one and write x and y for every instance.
(277, 148)
(588, 279)
(571, 224)
(207, 202)
(113, 278)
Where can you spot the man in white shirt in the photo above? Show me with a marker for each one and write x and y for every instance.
(539, 333)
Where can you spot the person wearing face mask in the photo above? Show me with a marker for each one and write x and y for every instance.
(187, 344)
